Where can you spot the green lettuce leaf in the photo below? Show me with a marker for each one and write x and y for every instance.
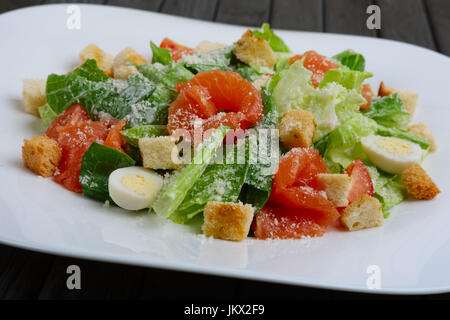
(96, 165)
(351, 59)
(47, 115)
(402, 134)
(219, 182)
(275, 42)
(388, 111)
(160, 55)
(347, 78)
(388, 188)
(342, 145)
(331, 105)
(153, 71)
(186, 177)
(214, 60)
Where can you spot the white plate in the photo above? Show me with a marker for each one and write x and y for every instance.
(411, 253)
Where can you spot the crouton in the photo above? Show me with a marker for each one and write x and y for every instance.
(363, 213)
(207, 46)
(408, 97)
(297, 128)
(261, 81)
(159, 153)
(33, 91)
(336, 186)
(128, 55)
(104, 60)
(125, 62)
(227, 221)
(422, 130)
(419, 183)
(124, 71)
(254, 51)
(42, 155)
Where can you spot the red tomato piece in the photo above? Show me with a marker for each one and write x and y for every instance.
(74, 132)
(361, 181)
(217, 97)
(114, 138)
(177, 50)
(318, 64)
(295, 184)
(276, 221)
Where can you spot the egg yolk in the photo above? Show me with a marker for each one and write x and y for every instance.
(138, 184)
(394, 146)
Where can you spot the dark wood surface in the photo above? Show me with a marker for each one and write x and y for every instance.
(30, 275)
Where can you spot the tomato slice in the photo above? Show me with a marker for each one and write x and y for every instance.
(75, 132)
(361, 181)
(295, 184)
(318, 64)
(368, 94)
(275, 221)
(74, 115)
(177, 50)
(114, 138)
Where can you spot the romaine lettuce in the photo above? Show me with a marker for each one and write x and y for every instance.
(351, 59)
(346, 78)
(96, 165)
(388, 111)
(331, 105)
(186, 177)
(160, 55)
(342, 145)
(47, 115)
(275, 42)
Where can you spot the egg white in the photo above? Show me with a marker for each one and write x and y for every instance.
(392, 162)
(127, 198)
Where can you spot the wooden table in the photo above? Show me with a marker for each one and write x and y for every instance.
(30, 275)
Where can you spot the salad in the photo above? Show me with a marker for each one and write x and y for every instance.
(247, 139)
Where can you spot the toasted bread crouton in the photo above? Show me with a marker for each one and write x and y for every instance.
(408, 97)
(227, 221)
(421, 130)
(419, 183)
(207, 46)
(261, 81)
(159, 153)
(125, 62)
(41, 154)
(123, 72)
(254, 51)
(363, 213)
(337, 187)
(104, 60)
(297, 128)
(128, 55)
(33, 95)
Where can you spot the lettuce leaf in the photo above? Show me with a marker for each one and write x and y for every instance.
(219, 182)
(153, 71)
(388, 188)
(160, 55)
(342, 145)
(96, 165)
(215, 60)
(388, 111)
(402, 134)
(47, 115)
(347, 78)
(275, 42)
(331, 104)
(186, 177)
(351, 59)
